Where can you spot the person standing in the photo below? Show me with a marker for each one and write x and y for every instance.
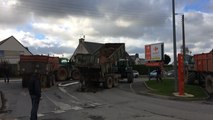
(6, 72)
(159, 74)
(34, 87)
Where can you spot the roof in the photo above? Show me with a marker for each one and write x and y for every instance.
(92, 47)
(3, 41)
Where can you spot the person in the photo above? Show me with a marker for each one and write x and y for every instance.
(6, 72)
(159, 74)
(34, 87)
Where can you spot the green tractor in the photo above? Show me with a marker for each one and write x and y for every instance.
(66, 70)
(125, 70)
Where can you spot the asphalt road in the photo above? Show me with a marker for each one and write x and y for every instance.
(120, 103)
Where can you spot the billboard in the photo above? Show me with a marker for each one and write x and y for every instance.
(154, 52)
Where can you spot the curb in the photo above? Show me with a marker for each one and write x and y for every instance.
(166, 97)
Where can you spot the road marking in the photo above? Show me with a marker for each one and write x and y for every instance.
(68, 84)
(67, 93)
(62, 107)
(40, 115)
(16, 80)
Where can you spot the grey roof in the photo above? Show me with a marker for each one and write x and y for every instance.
(92, 47)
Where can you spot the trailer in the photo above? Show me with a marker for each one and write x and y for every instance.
(45, 66)
(201, 71)
(50, 68)
(107, 65)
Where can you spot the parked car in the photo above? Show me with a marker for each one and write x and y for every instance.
(153, 74)
(135, 74)
(170, 73)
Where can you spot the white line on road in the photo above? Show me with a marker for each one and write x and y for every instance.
(62, 107)
(14, 80)
(67, 84)
(64, 91)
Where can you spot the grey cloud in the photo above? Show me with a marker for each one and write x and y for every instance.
(60, 8)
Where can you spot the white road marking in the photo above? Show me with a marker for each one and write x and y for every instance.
(62, 107)
(64, 91)
(15, 80)
(40, 115)
(65, 85)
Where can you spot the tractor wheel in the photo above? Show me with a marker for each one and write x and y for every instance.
(62, 74)
(209, 84)
(108, 82)
(49, 82)
(115, 82)
(129, 78)
(75, 74)
(53, 80)
(24, 82)
(44, 81)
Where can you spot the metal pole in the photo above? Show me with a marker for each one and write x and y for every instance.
(174, 44)
(184, 49)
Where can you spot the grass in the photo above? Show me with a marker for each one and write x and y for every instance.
(167, 88)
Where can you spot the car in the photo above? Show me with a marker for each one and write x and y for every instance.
(153, 74)
(135, 74)
(170, 73)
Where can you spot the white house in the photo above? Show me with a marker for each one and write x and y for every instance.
(11, 49)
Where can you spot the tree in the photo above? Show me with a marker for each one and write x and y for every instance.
(167, 59)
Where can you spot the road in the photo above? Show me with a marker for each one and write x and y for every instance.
(121, 103)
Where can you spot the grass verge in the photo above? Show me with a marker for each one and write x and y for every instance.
(167, 88)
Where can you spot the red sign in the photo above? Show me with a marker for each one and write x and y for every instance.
(148, 52)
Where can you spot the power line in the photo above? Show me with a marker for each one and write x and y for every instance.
(71, 8)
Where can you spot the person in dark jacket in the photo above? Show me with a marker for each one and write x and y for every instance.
(159, 74)
(34, 87)
(6, 72)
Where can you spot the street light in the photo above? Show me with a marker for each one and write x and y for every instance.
(174, 44)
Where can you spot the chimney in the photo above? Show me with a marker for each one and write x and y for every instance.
(81, 40)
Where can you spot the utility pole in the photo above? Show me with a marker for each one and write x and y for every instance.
(174, 44)
(184, 49)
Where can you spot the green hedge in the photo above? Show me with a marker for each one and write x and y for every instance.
(144, 70)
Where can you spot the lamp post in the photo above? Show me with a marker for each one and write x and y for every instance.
(184, 48)
(174, 44)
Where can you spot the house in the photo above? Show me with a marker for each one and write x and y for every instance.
(98, 49)
(11, 49)
(86, 48)
(137, 60)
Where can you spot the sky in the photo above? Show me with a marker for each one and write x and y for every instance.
(54, 26)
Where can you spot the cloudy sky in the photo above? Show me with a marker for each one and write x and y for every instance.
(54, 26)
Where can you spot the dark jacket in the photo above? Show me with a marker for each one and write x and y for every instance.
(34, 85)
